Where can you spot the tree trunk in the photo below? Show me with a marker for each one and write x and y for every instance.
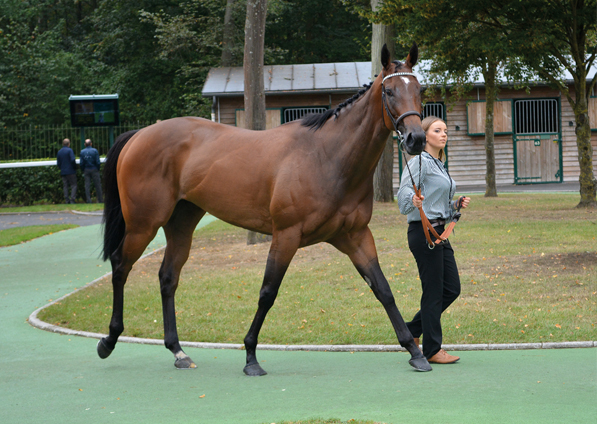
(580, 106)
(383, 190)
(588, 183)
(489, 73)
(228, 36)
(253, 68)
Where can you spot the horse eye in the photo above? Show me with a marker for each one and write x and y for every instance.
(389, 92)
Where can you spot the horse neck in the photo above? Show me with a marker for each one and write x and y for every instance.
(359, 135)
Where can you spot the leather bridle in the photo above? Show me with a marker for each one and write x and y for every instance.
(427, 227)
(396, 122)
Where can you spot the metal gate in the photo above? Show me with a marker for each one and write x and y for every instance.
(537, 141)
(294, 113)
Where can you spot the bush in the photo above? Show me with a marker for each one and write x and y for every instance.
(40, 184)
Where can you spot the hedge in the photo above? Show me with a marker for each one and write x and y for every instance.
(41, 184)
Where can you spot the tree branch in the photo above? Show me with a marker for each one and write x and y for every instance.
(563, 61)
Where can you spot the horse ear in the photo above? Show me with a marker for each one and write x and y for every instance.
(413, 56)
(385, 56)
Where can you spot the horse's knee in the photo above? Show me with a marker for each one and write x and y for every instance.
(168, 283)
(387, 300)
(267, 297)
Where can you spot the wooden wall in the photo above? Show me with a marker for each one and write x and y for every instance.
(273, 118)
(593, 112)
(466, 154)
(229, 105)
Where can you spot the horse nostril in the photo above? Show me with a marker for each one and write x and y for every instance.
(415, 142)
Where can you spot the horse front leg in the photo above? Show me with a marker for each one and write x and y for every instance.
(283, 248)
(360, 248)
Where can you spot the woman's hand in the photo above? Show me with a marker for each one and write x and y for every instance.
(464, 201)
(418, 201)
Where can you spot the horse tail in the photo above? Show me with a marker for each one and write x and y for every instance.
(113, 221)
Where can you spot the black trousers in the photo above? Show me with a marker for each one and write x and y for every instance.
(89, 175)
(441, 286)
(69, 181)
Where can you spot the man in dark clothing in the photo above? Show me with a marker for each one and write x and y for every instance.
(68, 170)
(90, 164)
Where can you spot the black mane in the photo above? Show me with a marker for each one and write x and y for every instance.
(315, 121)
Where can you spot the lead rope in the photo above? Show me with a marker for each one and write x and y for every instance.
(427, 227)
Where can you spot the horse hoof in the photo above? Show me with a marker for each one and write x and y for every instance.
(102, 350)
(420, 364)
(185, 363)
(254, 370)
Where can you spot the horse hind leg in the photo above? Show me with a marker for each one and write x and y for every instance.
(130, 250)
(179, 235)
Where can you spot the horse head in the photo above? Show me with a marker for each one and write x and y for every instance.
(401, 97)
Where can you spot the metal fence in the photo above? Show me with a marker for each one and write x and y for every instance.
(43, 142)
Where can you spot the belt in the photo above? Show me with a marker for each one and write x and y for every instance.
(437, 222)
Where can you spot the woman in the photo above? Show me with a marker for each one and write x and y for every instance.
(437, 268)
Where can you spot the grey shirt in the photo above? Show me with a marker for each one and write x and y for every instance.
(437, 187)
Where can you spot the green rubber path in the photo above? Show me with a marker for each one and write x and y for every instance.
(51, 378)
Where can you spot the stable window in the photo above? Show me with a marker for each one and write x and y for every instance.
(434, 109)
(539, 116)
(502, 117)
(294, 113)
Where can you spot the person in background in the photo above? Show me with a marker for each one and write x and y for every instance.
(437, 267)
(68, 171)
(90, 166)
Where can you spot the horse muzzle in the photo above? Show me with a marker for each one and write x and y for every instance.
(414, 142)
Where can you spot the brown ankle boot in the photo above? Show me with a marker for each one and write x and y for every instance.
(417, 341)
(443, 357)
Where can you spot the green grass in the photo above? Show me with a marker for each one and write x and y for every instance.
(527, 263)
(12, 236)
(82, 207)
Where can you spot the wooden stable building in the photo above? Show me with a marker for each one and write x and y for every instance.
(535, 140)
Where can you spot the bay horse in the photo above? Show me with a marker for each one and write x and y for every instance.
(304, 182)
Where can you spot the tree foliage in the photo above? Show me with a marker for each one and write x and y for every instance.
(154, 53)
(517, 38)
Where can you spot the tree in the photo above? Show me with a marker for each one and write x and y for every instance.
(383, 190)
(253, 68)
(228, 36)
(459, 48)
(316, 31)
(553, 36)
